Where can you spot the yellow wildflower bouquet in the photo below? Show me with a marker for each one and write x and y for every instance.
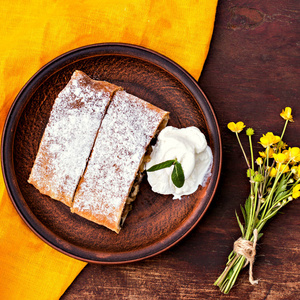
(273, 184)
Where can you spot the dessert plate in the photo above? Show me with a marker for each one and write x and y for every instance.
(156, 222)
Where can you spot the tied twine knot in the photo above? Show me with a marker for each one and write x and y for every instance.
(248, 250)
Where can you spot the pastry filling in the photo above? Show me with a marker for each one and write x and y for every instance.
(140, 174)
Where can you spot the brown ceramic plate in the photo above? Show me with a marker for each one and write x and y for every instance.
(157, 222)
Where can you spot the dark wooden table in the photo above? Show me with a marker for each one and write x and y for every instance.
(251, 73)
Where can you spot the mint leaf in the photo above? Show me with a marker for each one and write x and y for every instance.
(178, 175)
(163, 165)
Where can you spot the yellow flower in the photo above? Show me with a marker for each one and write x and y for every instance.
(287, 114)
(294, 154)
(236, 127)
(296, 191)
(282, 168)
(269, 139)
(264, 154)
(280, 158)
(296, 171)
(273, 172)
(259, 161)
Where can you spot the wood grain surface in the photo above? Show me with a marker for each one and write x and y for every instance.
(251, 73)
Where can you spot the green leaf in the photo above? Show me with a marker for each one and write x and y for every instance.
(281, 195)
(247, 206)
(163, 165)
(178, 175)
(240, 224)
(281, 189)
(243, 212)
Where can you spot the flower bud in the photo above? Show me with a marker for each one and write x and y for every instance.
(250, 131)
(258, 178)
(259, 161)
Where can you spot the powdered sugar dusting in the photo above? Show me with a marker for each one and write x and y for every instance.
(69, 136)
(126, 130)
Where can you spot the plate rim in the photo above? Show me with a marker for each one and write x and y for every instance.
(116, 49)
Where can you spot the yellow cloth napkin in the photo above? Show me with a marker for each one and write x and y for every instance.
(34, 32)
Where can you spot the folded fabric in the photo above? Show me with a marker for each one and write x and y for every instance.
(35, 32)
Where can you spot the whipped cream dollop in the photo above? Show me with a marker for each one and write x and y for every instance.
(189, 147)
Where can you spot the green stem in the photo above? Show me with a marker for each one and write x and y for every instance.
(251, 150)
(282, 198)
(261, 184)
(271, 214)
(236, 270)
(289, 175)
(252, 164)
(251, 223)
(237, 136)
(227, 280)
(258, 208)
(266, 173)
(267, 167)
(255, 201)
(247, 161)
(221, 278)
(260, 225)
(265, 211)
(266, 204)
(284, 128)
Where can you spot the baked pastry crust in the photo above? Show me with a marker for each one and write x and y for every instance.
(69, 136)
(92, 153)
(125, 133)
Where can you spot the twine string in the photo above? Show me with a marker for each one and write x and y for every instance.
(248, 250)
